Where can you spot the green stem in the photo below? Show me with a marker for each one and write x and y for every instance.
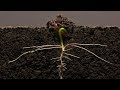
(60, 36)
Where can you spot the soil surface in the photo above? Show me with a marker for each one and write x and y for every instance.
(38, 64)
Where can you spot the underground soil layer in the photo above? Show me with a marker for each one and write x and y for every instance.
(38, 65)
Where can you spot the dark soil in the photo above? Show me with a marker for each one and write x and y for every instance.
(39, 66)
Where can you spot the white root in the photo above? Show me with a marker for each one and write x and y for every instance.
(85, 44)
(71, 55)
(88, 44)
(55, 58)
(67, 58)
(42, 46)
(31, 52)
(68, 49)
(92, 54)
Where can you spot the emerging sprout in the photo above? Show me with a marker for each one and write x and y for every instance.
(61, 30)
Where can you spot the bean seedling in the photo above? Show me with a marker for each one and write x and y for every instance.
(63, 54)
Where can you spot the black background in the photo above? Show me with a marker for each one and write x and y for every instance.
(59, 5)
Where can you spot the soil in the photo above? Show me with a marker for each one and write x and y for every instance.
(39, 66)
